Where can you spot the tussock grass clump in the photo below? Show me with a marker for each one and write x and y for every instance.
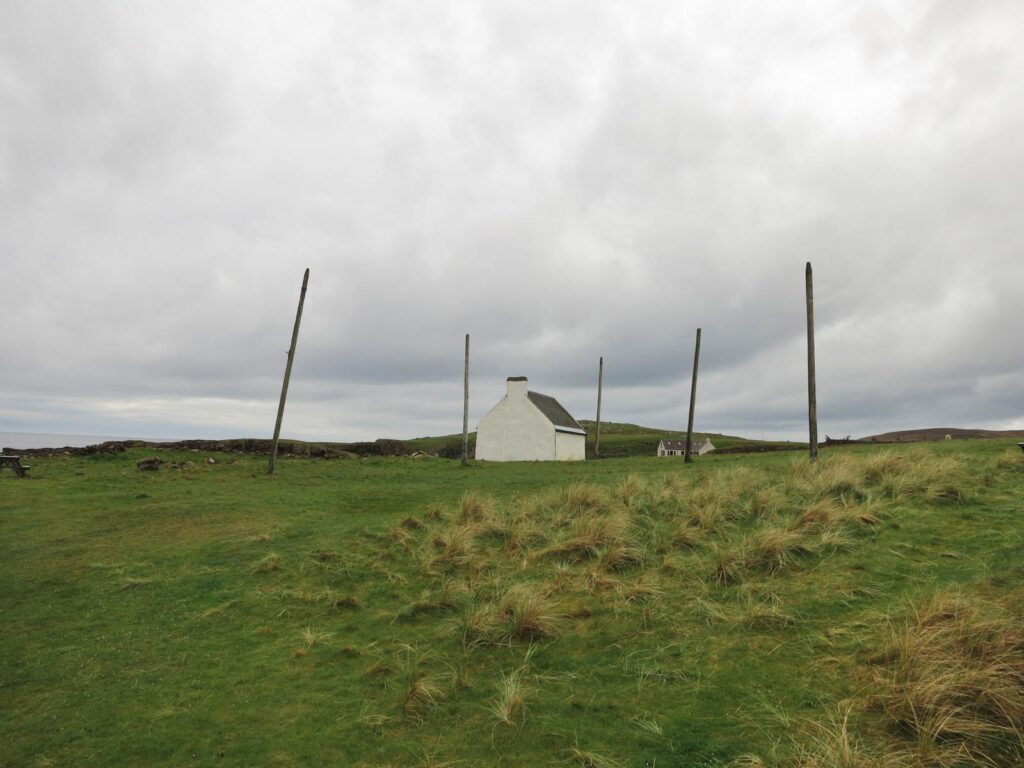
(312, 636)
(763, 613)
(479, 625)
(475, 506)
(823, 513)
(840, 478)
(453, 548)
(629, 490)
(728, 564)
(775, 548)
(422, 693)
(522, 612)
(928, 478)
(583, 497)
(833, 744)
(1012, 460)
(716, 492)
(584, 759)
(707, 515)
(880, 466)
(133, 582)
(426, 603)
(345, 603)
(953, 681)
(509, 706)
(590, 535)
(529, 614)
(765, 502)
(267, 564)
(687, 536)
(621, 556)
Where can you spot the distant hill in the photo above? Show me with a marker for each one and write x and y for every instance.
(939, 433)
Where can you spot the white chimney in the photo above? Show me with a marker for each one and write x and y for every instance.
(516, 386)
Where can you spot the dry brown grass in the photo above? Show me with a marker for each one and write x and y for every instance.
(509, 705)
(765, 502)
(927, 477)
(422, 693)
(583, 497)
(529, 614)
(952, 681)
(453, 548)
(833, 744)
(589, 535)
(585, 759)
(822, 513)
(267, 564)
(475, 506)
(628, 490)
(687, 536)
(776, 548)
(728, 564)
(621, 556)
(480, 625)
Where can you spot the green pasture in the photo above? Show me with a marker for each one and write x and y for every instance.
(745, 610)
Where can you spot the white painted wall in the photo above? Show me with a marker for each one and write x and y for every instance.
(570, 447)
(515, 430)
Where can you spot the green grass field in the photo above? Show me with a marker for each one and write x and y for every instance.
(744, 610)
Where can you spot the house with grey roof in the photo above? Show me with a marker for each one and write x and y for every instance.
(529, 426)
(678, 447)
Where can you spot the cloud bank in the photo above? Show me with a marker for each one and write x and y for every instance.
(562, 182)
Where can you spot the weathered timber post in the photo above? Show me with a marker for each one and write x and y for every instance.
(600, 382)
(693, 400)
(287, 375)
(465, 408)
(812, 398)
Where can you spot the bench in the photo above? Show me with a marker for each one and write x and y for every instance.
(13, 462)
(1021, 446)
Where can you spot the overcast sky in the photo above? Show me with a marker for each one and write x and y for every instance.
(561, 180)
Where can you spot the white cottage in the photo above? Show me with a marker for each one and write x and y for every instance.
(529, 426)
(678, 447)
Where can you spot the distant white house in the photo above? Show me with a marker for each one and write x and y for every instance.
(529, 426)
(678, 447)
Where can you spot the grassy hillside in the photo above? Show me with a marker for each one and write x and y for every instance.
(743, 610)
(940, 433)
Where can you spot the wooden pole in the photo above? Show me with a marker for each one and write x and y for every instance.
(812, 398)
(465, 408)
(600, 382)
(693, 400)
(287, 375)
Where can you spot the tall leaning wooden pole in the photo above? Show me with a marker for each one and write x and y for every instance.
(465, 408)
(812, 398)
(600, 382)
(272, 464)
(693, 400)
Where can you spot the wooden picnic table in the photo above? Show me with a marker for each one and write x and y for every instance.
(13, 462)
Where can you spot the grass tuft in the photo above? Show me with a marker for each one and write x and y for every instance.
(529, 614)
(953, 677)
(509, 706)
(268, 564)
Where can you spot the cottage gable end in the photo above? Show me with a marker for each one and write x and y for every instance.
(528, 426)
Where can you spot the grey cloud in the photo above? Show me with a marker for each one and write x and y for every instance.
(561, 183)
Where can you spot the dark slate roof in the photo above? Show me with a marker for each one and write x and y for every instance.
(554, 411)
(679, 445)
